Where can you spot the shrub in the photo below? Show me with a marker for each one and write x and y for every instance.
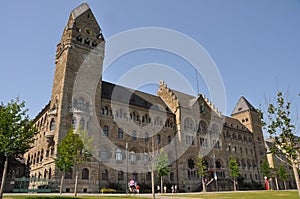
(107, 190)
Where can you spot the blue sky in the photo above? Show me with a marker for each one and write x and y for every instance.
(255, 44)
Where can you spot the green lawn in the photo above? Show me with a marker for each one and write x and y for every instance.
(225, 195)
(71, 197)
(246, 195)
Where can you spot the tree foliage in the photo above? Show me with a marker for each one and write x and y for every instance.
(201, 166)
(234, 167)
(202, 170)
(266, 169)
(281, 128)
(16, 133)
(73, 150)
(66, 151)
(233, 170)
(282, 173)
(279, 125)
(16, 129)
(161, 164)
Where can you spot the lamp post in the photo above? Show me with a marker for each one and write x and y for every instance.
(215, 171)
(126, 185)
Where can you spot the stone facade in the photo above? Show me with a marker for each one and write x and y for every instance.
(128, 127)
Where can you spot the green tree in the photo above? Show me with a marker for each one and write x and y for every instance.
(265, 169)
(283, 175)
(161, 166)
(83, 152)
(281, 128)
(66, 151)
(234, 170)
(73, 150)
(16, 133)
(202, 170)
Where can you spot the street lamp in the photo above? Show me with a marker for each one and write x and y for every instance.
(215, 171)
(126, 185)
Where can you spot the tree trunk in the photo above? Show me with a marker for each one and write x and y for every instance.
(203, 185)
(161, 185)
(76, 182)
(276, 182)
(152, 183)
(61, 183)
(296, 175)
(3, 177)
(234, 184)
(284, 184)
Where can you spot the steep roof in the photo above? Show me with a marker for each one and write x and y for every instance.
(185, 100)
(234, 123)
(125, 95)
(242, 105)
(80, 10)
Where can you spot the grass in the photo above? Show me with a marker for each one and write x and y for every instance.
(246, 195)
(226, 195)
(70, 197)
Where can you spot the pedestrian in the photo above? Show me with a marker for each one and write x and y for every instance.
(165, 189)
(137, 189)
(172, 188)
(158, 188)
(175, 188)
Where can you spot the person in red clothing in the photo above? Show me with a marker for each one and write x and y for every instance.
(137, 189)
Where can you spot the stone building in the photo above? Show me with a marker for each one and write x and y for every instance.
(276, 160)
(129, 127)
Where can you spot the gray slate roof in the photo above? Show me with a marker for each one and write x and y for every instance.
(80, 10)
(133, 97)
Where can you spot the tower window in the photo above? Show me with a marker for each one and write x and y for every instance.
(106, 131)
(52, 124)
(120, 133)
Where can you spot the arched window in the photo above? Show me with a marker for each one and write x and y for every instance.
(169, 139)
(85, 174)
(188, 124)
(191, 168)
(49, 174)
(120, 175)
(132, 157)
(45, 173)
(158, 139)
(103, 154)
(104, 174)
(171, 176)
(74, 123)
(82, 126)
(145, 157)
(218, 164)
(106, 131)
(146, 137)
(120, 133)
(52, 124)
(69, 174)
(133, 135)
(118, 154)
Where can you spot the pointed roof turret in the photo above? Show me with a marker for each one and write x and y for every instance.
(242, 105)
